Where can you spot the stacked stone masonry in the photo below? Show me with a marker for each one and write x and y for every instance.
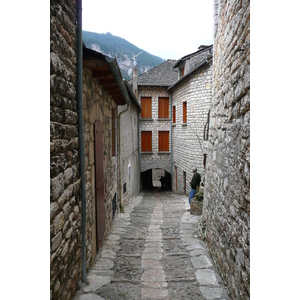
(65, 217)
(97, 105)
(187, 139)
(227, 189)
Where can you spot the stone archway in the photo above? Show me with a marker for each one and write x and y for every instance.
(156, 178)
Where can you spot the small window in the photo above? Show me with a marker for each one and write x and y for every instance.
(163, 107)
(163, 140)
(174, 114)
(124, 188)
(181, 70)
(113, 133)
(184, 115)
(146, 103)
(146, 141)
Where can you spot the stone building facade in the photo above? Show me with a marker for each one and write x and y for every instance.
(191, 98)
(186, 82)
(98, 105)
(129, 148)
(152, 87)
(155, 159)
(65, 206)
(227, 187)
(103, 92)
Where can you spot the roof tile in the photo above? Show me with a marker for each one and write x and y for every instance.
(161, 75)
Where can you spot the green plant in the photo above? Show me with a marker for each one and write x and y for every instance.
(199, 195)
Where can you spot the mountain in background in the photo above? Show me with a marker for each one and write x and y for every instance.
(114, 46)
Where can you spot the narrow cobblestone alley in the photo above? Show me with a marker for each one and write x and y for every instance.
(153, 252)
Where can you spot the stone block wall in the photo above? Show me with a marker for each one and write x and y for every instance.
(65, 207)
(155, 160)
(227, 187)
(98, 105)
(129, 153)
(187, 138)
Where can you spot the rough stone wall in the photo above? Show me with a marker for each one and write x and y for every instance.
(155, 160)
(65, 208)
(227, 187)
(187, 138)
(97, 105)
(129, 152)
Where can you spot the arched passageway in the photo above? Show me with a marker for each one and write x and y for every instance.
(156, 178)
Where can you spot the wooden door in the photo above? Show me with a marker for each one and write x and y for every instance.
(100, 201)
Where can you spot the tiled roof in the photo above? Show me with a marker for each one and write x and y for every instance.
(196, 56)
(161, 75)
(203, 63)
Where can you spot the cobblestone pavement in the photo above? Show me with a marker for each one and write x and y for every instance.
(153, 252)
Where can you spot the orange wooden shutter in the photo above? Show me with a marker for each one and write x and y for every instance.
(184, 112)
(174, 114)
(163, 140)
(163, 107)
(146, 141)
(146, 103)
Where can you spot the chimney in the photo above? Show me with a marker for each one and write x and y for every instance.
(135, 78)
(135, 75)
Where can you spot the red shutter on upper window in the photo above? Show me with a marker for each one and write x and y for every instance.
(146, 141)
(163, 140)
(146, 103)
(163, 107)
(184, 112)
(174, 114)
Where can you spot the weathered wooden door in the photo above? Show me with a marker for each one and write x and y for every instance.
(100, 201)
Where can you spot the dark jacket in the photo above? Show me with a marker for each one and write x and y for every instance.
(195, 180)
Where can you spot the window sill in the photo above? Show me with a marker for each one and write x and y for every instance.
(163, 119)
(146, 152)
(173, 124)
(146, 119)
(164, 152)
(184, 124)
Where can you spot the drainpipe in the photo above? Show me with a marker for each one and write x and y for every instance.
(119, 153)
(81, 134)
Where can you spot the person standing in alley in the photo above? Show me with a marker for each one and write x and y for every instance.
(194, 182)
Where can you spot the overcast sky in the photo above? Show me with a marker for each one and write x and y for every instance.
(164, 28)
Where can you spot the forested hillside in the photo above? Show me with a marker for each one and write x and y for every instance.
(124, 51)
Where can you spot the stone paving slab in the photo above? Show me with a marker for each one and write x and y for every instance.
(153, 252)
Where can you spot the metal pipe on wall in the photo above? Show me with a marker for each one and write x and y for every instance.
(81, 135)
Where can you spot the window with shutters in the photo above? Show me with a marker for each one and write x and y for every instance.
(146, 141)
(184, 108)
(163, 107)
(146, 103)
(113, 132)
(174, 114)
(163, 141)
